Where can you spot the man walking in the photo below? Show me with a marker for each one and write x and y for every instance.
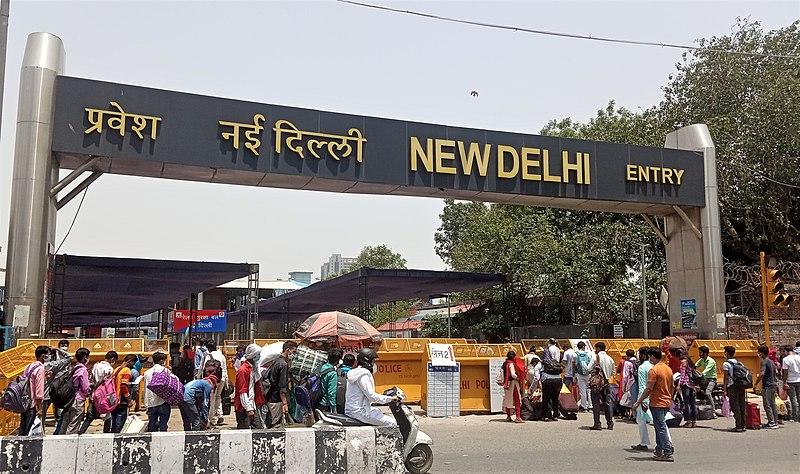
(734, 391)
(659, 390)
(248, 395)
(600, 391)
(100, 371)
(769, 386)
(791, 378)
(330, 381)
(73, 416)
(278, 394)
(122, 380)
(583, 367)
(215, 411)
(708, 367)
(568, 359)
(35, 372)
(552, 352)
(158, 411)
(643, 412)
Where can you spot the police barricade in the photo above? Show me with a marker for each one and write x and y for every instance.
(361, 449)
(537, 343)
(12, 364)
(99, 346)
(476, 384)
(746, 353)
(616, 348)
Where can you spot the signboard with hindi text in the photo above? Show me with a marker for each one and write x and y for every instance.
(203, 320)
(442, 355)
(150, 132)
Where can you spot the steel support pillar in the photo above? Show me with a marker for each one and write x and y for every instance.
(694, 250)
(31, 233)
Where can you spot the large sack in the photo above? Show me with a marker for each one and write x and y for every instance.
(270, 353)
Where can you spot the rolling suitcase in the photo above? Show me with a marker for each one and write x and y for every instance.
(752, 419)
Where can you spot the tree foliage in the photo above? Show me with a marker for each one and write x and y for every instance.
(751, 104)
(379, 256)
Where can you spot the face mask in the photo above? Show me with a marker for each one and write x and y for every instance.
(374, 369)
(64, 348)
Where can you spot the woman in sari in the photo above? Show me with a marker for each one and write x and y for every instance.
(513, 370)
(630, 386)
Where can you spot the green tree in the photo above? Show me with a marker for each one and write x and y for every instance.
(379, 256)
(434, 327)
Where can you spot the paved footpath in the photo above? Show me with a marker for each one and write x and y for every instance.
(489, 444)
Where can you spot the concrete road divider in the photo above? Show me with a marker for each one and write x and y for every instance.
(300, 450)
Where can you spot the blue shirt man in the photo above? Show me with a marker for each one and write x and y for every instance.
(196, 397)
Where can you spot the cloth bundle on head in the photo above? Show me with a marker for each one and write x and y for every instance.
(253, 352)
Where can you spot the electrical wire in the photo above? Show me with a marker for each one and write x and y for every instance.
(74, 218)
(560, 34)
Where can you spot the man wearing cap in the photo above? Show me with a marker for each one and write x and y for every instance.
(248, 396)
(708, 367)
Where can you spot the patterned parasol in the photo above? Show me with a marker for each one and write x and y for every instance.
(338, 329)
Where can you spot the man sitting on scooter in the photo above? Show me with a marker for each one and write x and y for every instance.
(361, 392)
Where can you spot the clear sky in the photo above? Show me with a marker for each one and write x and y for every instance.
(342, 58)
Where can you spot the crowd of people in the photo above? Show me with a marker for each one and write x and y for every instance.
(643, 387)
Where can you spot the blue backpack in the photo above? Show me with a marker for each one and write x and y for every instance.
(582, 362)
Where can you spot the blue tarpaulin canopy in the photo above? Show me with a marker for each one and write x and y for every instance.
(98, 290)
(368, 286)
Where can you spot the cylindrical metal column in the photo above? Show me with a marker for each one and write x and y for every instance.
(32, 222)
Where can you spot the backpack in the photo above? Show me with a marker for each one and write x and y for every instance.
(598, 380)
(582, 362)
(62, 393)
(341, 390)
(266, 380)
(17, 396)
(105, 396)
(742, 377)
(551, 366)
(314, 387)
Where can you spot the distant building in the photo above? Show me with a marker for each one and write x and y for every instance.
(301, 277)
(336, 265)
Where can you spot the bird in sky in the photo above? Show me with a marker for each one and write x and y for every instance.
(474, 93)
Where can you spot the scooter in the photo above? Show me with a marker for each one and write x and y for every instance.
(417, 451)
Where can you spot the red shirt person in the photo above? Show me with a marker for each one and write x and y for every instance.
(248, 396)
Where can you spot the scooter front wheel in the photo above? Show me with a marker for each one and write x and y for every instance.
(420, 459)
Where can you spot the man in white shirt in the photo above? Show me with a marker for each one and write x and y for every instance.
(553, 352)
(158, 410)
(215, 407)
(569, 367)
(584, 363)
(601, 398)
(791, 379)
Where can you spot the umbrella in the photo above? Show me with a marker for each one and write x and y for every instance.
(340, 329)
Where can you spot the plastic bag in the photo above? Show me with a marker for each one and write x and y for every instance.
(133, 424)
(270, 353)
(780, 405)
(36, 429)
(726, 407)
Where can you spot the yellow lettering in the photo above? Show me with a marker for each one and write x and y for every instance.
(418, 154)
(501, 153)
(577, 167)
(587, 179)
(644, 173)
(679, 175)
(666, 175)
(444, 155)
(474, 154)
(527, 163)
(546, 169)
(655, 170)
(630, 173)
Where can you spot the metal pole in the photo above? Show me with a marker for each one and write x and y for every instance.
(4, 5)
(764, 297)
(644, 296)
(32, 218)
(448, 315)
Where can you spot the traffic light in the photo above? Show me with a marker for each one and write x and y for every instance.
(776, 294)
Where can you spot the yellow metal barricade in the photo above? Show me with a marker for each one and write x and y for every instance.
(616, 348)
(746, 353)
(401, 363)
(12, 363)
(475, 382)
(537, 343)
